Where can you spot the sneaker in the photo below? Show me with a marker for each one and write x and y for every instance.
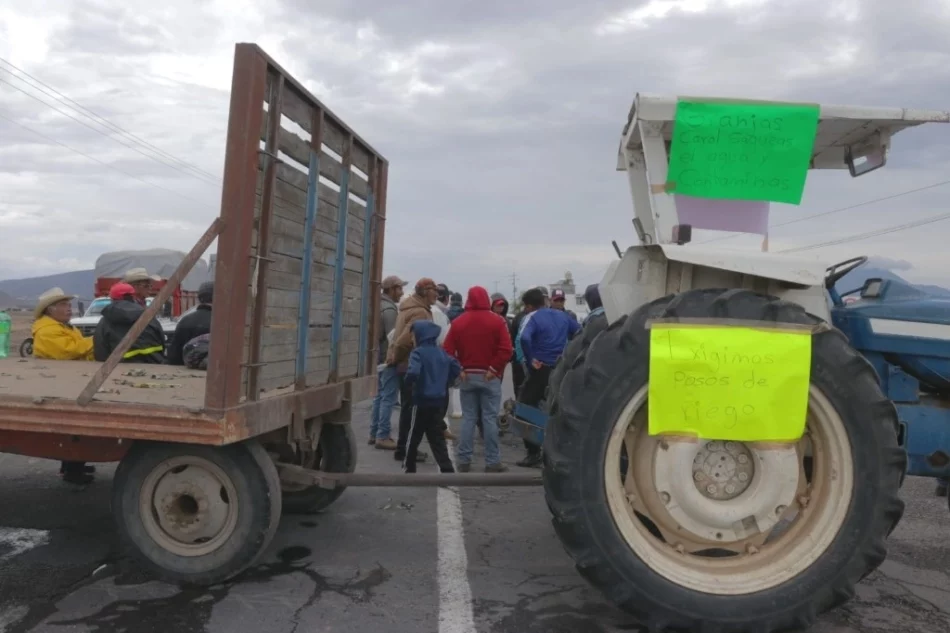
(464, 468)
(385, 444)
(531, 460)
(496, 468)
(372, 441)
(449, 435)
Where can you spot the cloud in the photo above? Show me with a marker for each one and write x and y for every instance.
(500, 120)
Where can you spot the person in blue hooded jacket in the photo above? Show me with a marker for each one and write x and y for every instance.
(542, 341)
(431, 372)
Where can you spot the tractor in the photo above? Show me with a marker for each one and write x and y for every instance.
(734, 536)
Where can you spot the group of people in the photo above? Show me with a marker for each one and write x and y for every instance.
(429, 342)
(55, 339)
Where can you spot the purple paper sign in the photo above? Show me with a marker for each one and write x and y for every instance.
(740, 216)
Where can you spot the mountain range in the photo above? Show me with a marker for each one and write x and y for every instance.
(23, 292)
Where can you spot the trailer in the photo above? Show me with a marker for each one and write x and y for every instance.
(197, 495)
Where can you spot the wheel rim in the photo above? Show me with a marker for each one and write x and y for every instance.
(189, 506)
(684, 509)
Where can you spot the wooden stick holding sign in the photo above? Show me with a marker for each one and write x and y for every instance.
(92, 388)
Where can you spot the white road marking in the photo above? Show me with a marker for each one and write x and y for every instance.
(455, 594)
(15, 541)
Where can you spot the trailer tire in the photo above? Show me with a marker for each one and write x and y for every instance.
(26, 348)
(196, 515)
(620, 553)
(336, 453)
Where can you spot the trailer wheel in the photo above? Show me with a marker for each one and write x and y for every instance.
(336, 453)
(661, 548)
(26, 348)
(196, 514)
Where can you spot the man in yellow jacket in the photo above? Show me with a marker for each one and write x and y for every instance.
(55, 339)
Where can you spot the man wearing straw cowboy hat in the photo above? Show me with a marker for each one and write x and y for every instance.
(139, 279)
(55, 339)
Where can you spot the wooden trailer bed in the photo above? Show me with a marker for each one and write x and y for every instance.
(157, 385)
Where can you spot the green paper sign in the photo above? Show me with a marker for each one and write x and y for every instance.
(742, 151)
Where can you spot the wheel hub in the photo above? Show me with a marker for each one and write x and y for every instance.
(723, 470)
(188, 506)
(735, 491)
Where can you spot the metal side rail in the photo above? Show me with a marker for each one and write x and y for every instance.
(302, 476)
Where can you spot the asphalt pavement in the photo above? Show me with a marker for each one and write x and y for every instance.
(384, 560)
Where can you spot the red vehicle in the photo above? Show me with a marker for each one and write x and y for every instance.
(181, 300)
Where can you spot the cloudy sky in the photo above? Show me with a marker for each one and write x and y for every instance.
(500, 119)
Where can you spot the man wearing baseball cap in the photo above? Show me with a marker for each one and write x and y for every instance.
(559, 300)
(387, 387)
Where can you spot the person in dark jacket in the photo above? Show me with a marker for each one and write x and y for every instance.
(559, 302)
(517, 369)
(192, 325)
(117, 319)
(431, 372)
(455, 306)
(596, 318)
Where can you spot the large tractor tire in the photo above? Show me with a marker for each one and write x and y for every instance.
(336, 453)
(574, 349)
(661, 547)
(196, 514)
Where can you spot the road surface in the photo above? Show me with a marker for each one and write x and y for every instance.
(383, 561)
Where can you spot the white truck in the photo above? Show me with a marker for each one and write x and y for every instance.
(726, 536)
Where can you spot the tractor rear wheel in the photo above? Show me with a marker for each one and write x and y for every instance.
(771, 557)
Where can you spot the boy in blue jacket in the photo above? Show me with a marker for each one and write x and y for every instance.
(431, 372)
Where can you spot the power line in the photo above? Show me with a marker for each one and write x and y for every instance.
(839, 210)
(98, 131)
(59, 96)
(101, 162)
(869, 234)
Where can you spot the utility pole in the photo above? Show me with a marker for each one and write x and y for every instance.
(514, 286)
(496, 286)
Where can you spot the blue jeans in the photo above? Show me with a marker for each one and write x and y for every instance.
(477, 392)
(387, 390)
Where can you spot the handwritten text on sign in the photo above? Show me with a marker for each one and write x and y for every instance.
(728, 383)
(742, 151)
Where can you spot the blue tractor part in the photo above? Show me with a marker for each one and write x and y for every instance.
(904, 333)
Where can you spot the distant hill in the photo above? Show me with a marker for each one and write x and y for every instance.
(25, 291)
(6, 301)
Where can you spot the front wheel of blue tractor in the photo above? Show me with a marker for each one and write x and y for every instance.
(785, 536)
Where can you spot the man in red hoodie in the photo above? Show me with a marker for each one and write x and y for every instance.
(480, 341)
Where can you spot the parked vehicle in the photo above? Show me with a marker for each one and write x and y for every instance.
(90, 319)
(672, 529)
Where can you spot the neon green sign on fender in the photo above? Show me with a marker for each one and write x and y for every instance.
(742, 151)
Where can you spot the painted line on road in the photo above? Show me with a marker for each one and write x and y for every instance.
(456, 613)
(16, 541)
